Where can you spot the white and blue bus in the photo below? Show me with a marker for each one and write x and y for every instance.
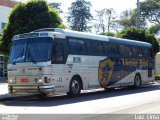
(54, 60)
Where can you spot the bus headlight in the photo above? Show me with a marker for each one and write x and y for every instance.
(12, 80)
(42, 80)
(47, 80)
(38, 80)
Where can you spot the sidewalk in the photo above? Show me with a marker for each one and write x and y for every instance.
(5, 96)
(4, 91)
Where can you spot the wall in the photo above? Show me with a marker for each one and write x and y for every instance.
(4, 14)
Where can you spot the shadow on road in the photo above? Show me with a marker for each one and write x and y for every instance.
(64, 99)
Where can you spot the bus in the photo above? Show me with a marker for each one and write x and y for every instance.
(55, 60)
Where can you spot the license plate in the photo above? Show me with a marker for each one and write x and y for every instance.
(24, 80)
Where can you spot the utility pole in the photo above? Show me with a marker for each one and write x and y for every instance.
(138, 15)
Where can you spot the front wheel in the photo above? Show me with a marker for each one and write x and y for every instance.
(137, 81)
(75, 87)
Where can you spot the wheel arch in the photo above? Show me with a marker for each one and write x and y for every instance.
(139, 74)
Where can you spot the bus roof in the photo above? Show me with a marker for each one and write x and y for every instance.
(69, 33)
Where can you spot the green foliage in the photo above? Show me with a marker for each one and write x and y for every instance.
(56, 6)
(35, 14)
(79, 15)
(128, 19)
(108, 34)
(150, 10)
(153, 29)
(138, 34)
(157, 77)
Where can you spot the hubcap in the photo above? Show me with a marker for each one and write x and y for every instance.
(137, 81)
(75, 86)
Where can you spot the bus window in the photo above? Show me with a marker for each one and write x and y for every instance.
(125, 50)
(137, 51)
(147, 52)
(100, 48)
(77, 46)
(59, 52)
(92, 47)
(95, 47)
(110, 48)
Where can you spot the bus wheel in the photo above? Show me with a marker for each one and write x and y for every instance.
(137, 80)
(75, 87)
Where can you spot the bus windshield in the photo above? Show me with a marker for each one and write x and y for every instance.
(31, 50)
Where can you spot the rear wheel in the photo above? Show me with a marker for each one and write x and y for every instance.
(137, 81)
(75, 87)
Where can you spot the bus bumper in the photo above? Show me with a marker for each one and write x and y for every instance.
(31, 89)
(47, 89)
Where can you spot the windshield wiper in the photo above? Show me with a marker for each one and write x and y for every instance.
(32, 59)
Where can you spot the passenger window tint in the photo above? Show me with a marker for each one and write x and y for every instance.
(147, 52)
(125, 50)
(93, 47)
(77, 46)
(59, 50)
(100, 48)
(137, 51)
(110, 48)
(96, 47)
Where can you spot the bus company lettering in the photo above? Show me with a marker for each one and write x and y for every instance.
(77, 60)
(132, 62)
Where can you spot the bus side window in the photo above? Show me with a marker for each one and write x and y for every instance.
(59, 52)
(125, 50)
(77, 46)
(110, 48)
(100, 48)
(147, 52)
(137, 51)
(92, 47)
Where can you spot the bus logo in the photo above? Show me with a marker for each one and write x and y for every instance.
(105, 71)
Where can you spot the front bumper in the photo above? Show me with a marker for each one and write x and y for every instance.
(19, 89)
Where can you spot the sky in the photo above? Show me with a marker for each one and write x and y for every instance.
(117, 5)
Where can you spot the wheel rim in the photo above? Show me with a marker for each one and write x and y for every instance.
(137, 81)
(75, 86)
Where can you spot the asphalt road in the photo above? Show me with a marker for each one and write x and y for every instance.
(95, 105)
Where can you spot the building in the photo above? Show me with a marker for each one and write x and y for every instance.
(5, 9)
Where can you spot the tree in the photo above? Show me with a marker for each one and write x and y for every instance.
(56, 6)
(128, 19)
(27, 17)
(138, 34)
(153, 29)
(79, 15)
(150, 10)
(105, 19)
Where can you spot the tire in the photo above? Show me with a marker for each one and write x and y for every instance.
(74, 87)
(109, 89)
(137, 81)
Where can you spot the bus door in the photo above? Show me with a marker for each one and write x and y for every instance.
(58, 64)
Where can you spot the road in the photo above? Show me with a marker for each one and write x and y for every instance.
(144, 100)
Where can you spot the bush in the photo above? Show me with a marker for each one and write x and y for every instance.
(157, 77)
(138, 34)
